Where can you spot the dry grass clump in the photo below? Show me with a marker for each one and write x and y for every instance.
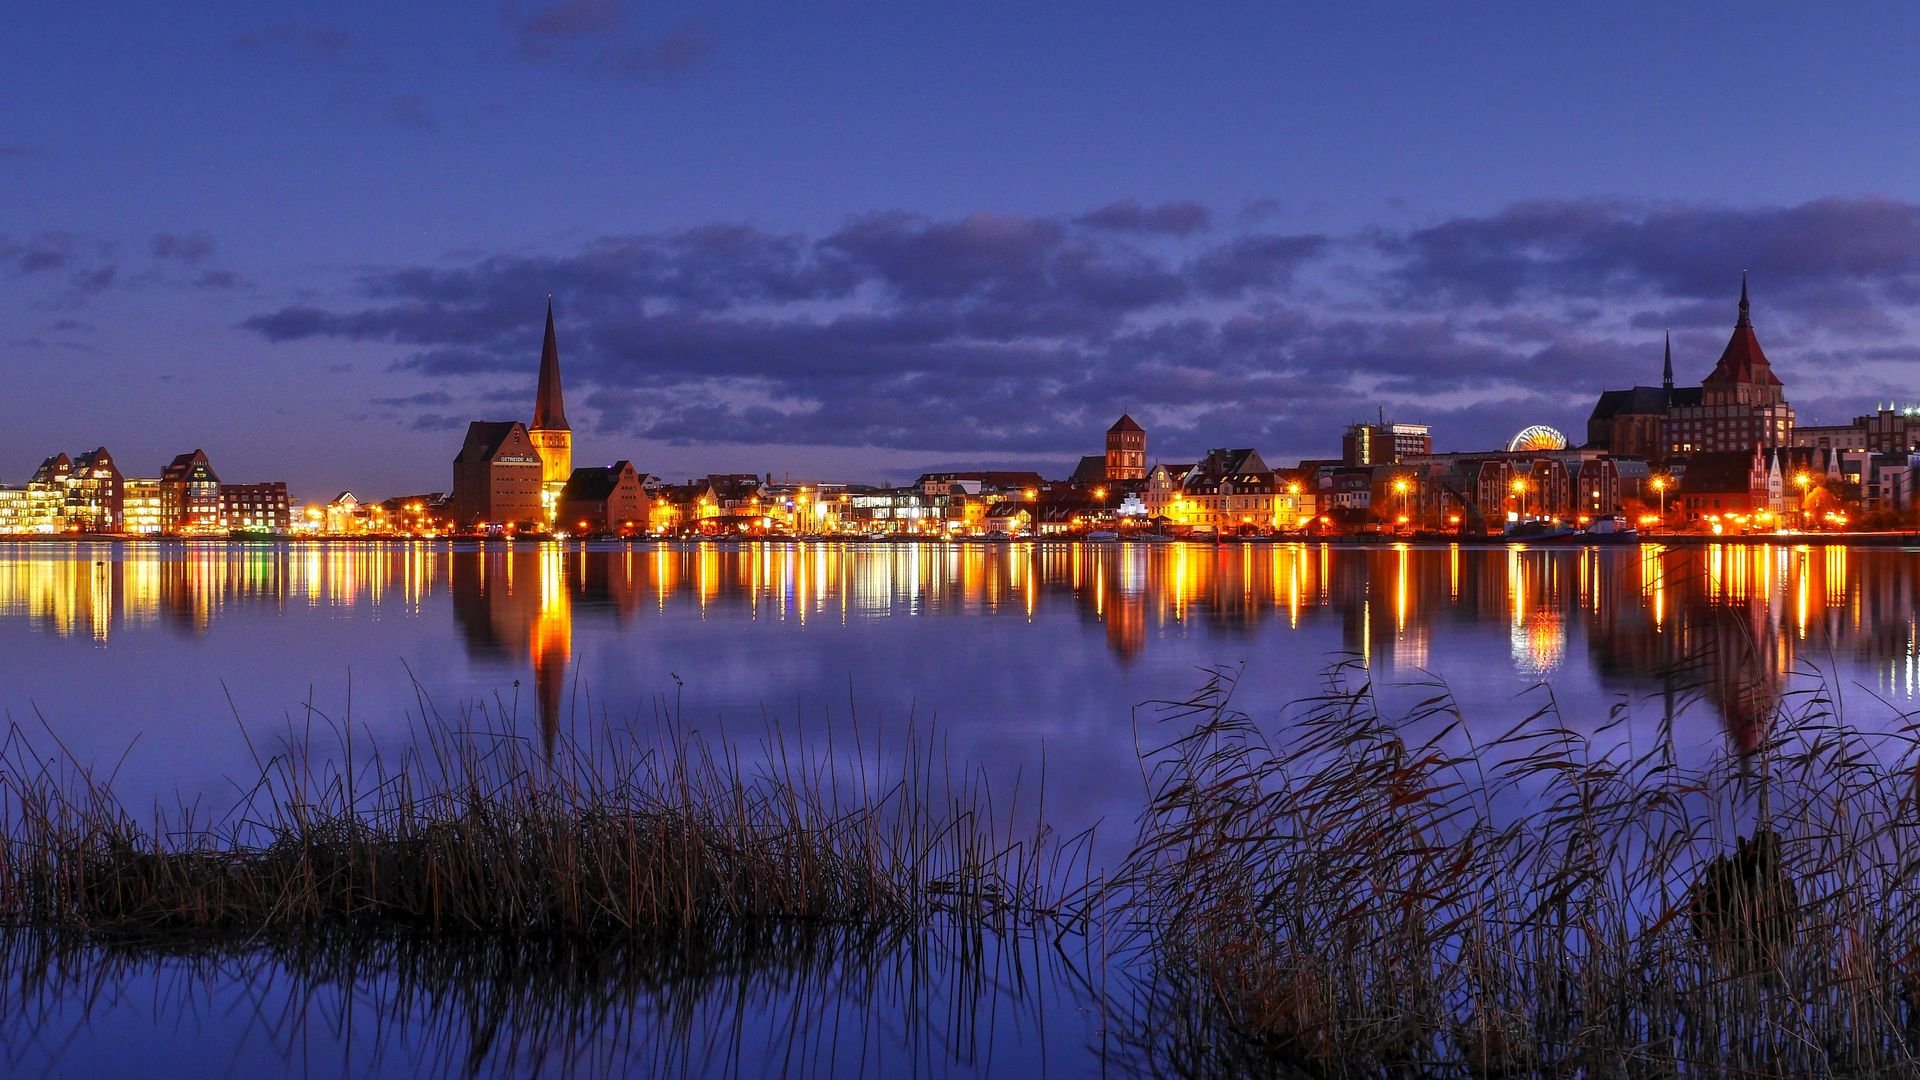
(473, 829)
(1366, 897)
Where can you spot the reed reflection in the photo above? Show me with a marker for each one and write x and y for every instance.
(1735, 621)
(798, 1000)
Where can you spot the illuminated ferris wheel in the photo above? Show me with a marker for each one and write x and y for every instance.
(1537, 437)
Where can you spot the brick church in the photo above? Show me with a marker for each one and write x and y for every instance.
(1739, 406)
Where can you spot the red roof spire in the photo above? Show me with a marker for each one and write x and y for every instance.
(1743, 362)
(549, 411)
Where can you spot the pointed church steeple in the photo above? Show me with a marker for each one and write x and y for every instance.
(1745, 315)
(1666, 377)
(552, 439)
(549, 410)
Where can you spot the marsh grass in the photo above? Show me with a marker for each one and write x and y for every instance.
(1367, 895)
(473, 828)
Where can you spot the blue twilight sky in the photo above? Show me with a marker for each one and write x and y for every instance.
(863, 240)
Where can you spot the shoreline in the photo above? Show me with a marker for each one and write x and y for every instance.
(1672, 540)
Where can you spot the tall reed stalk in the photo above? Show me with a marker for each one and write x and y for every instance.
(1375, 896)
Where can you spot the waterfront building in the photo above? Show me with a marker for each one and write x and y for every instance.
(1728, 488)
(93, 502)
(552, 439)
(672, 508)
(189, 496)
(44, 508)
(1009, 517)
(498, 478)
(140, 503)
(731, 503)
(1889, 430)
(342, 516)
(604, 499)
(1383, 443)
(255, 507)
(412, 514)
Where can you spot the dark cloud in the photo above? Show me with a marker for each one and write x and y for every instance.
(409, 111)
(190, 248)
(1005, 334)
(592, 35)
(1128, 216)
(1258, 261)
(1825, 261)
(15, 150)
(96, 279)
(569, 20)
(665, 56)
(295, 43)
(428, 397)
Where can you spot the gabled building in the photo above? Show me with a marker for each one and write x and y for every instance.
(604, 499)
(94, 496)
(45, 507)
(189, 496)
(497, 478)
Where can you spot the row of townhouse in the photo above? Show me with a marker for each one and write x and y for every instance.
(89, 494)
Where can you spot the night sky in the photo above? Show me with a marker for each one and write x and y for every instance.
(863, 241)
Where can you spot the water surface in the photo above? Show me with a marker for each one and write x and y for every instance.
(1030, 658)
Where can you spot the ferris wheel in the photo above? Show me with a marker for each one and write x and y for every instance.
(1537, 437)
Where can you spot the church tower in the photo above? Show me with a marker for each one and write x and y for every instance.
(1126, 450)
(551, 437)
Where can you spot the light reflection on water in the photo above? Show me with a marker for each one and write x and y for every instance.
(1016, 648)
(1757, 609)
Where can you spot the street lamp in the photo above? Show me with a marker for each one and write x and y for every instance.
(1520, 491)
(1400, 485)
(1660, 485)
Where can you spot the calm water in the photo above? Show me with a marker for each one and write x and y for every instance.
(1026, 656)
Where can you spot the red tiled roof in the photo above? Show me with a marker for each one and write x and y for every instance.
(1125, 423)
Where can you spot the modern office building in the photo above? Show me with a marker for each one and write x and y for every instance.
(1383, 443)
(140, 506)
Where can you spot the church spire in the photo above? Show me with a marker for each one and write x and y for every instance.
(1745, 320)
(1666, 378)
(549, 411)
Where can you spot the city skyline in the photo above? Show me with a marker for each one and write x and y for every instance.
(870, 243)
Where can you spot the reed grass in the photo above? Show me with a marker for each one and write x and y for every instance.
(1358, 895)
(475, 829)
